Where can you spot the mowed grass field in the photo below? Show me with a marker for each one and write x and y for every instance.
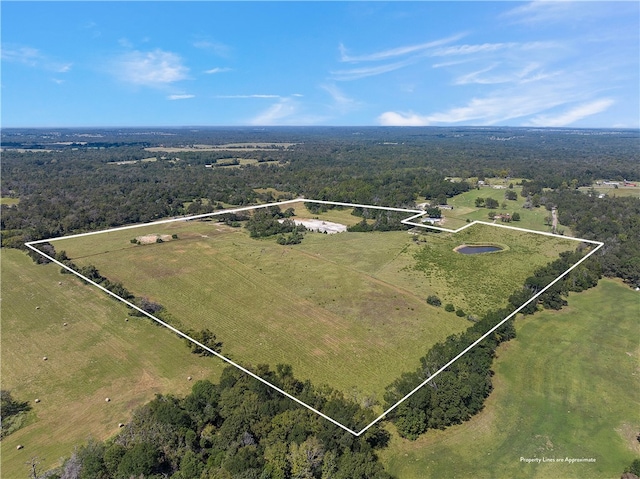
(567, 386)
(612, 191)
(97, 355)
(464, 208)
(346, 310)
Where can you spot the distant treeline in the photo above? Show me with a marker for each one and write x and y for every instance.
(69, 190)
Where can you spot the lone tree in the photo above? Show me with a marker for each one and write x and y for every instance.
(491, 203)
(434, 212)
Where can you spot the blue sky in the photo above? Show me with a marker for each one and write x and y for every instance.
(551, 64)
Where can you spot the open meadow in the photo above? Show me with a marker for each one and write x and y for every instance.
(347, 310)
(464, 208)
(567, 387)
(101, 352)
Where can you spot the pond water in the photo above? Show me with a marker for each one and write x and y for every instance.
(477, 249)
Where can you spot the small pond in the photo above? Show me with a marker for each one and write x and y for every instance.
(466, 249)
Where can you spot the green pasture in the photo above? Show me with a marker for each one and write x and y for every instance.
(98, 354)
(340, 215)
(567, 386)
(9, 201)
(464, 209)
(346, 310)
(611, 191)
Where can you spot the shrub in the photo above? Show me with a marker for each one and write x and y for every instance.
(460, 313)
(450, 308)
(433, 300)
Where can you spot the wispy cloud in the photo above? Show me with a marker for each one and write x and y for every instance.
(217, 70)
(287, 111)
(395, 52)
(218, 48)
(155, 68)
(277, 113)
(553, 11)
(574, 114)
(33, 57)
(399, 57)
(255, 95)
(21, 54)
(183, 96)
(498, 73)
(341, 101)
(496, 107)
(363, 72)
(490, 47)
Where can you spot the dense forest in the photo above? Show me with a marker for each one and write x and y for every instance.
(86, 180)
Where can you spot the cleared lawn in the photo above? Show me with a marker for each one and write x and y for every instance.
(97, 355)
(346, 310)
(9, 201)
(464, 208)
(611, 191)
(567, 386)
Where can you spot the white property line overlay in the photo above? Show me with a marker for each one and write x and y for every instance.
(408, 221)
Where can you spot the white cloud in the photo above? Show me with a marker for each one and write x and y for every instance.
(218, 70)
(214, 47)
(155, 68)
(342, 102)
(257, 95)
(395, 52)
(287, 111)
(573, 115)
(498, 73)
(124, 42)
(357, 73)
(19, 54)
(183, 96)
(491, 47)
(277, 113)
(497, 107)
(553, 11)
(63, 68)
(32, 57)
(392, 118)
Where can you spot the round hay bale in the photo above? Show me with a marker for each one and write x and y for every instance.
(64, 324)
(37, 307)
(19, 446)
(126, 319)
(36, 401)
(59, 282)
(189, 378)
(44, 358)
(120, 424)
(107, 399)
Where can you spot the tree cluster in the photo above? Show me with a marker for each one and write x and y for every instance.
(239, 428)
(271, 221)
(11, 413)
(613, 220)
